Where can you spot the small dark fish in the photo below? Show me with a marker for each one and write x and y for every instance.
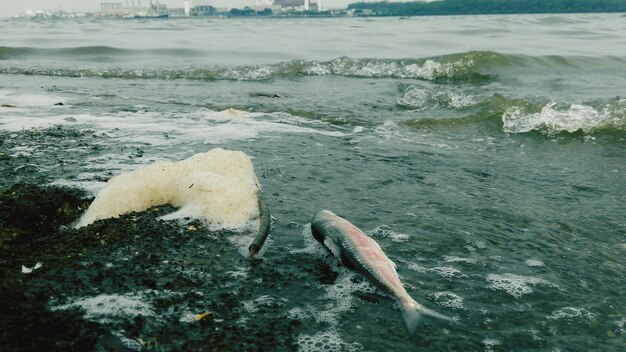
(264, 226)
(362, 254)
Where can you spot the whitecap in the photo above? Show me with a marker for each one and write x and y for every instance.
(555, 118)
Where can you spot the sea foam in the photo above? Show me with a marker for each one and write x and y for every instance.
(218, 187)
(106, 307)
(515, 285)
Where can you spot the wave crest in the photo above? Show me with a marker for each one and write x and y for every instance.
(555, 118)
(455, 68)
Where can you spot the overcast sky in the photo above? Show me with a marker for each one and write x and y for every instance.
(9, 8)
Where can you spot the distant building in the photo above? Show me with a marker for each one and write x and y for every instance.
(289, 2)
(234, 4)
(203, 10)
(176, 12)
(112, 9)
(299, 5)
(133, 10)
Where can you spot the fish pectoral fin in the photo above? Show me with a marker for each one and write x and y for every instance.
(333, 248)
(395, 266)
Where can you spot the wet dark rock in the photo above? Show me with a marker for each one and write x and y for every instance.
(264, 95)
(28, 211)
(177, 269)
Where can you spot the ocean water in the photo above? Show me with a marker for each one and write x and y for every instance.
(485, 154)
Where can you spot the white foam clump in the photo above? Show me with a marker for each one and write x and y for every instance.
(455, 259)
(447, 271)
(106, 307)
(534, 263)
(448, 299)
(339, 297)
(29, 100)
(325, 341)
(553, 120)
(443, 271)
(383, 231)
(252, 306)
(490, 343)
(312, 247)
(620, 324)
(127, 343)
(515, 285)
(218, 187)
(297, 314)
(571, 312)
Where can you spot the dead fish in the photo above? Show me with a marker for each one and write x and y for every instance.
(361, 253)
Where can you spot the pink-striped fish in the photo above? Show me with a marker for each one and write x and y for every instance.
(361, 253)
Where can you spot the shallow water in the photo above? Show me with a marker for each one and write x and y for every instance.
(485, 154)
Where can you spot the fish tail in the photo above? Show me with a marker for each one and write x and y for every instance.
(413, 312)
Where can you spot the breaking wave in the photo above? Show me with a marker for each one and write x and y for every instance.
(456, 67)
(516, 115)
(554, 117)
(474, 66)
(429, 69)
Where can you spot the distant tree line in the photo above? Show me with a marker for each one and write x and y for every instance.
(247, 11)
(485, 7)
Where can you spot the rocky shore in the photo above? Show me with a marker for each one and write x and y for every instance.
(165, 285)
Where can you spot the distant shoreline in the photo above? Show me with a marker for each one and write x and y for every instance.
(623, 13)
(485, 7)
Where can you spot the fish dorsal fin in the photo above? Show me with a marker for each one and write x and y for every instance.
(334, 249)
